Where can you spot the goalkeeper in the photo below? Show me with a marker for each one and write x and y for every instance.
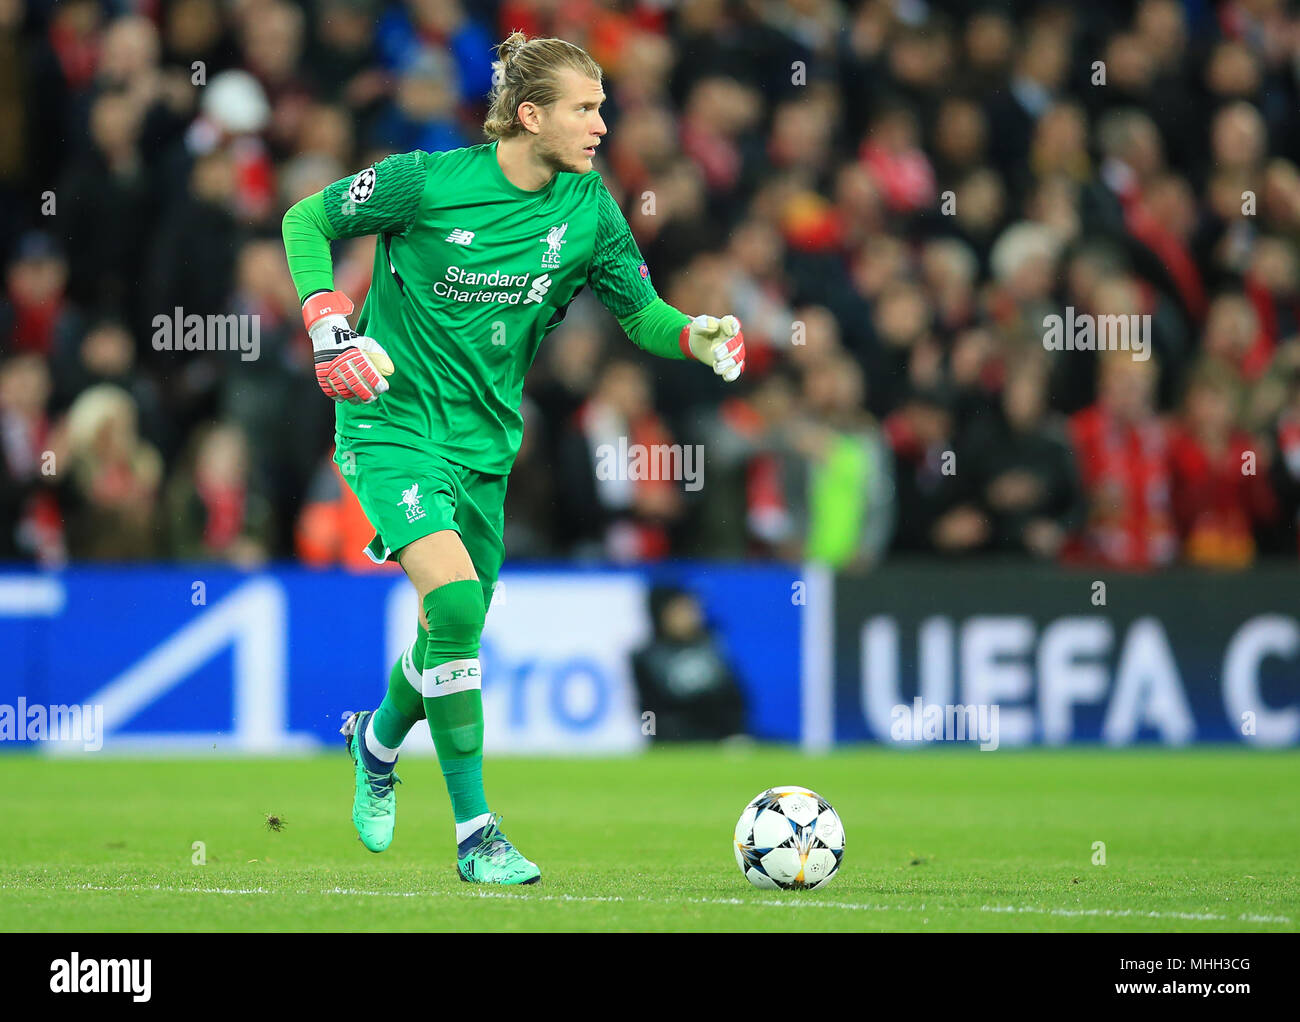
(480, 251)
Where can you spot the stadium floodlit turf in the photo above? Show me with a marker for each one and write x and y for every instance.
(938, 839)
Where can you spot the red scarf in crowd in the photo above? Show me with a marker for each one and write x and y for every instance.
(1126, 475)
(225, 513)
(1217, 501)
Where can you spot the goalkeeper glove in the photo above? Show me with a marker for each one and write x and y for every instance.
(715, 342)
(349, 367)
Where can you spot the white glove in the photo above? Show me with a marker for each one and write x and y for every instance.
(349, 367)
(716, 342)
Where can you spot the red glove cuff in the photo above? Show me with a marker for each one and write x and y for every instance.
(326, 303)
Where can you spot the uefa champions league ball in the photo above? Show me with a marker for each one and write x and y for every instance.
(789, 838)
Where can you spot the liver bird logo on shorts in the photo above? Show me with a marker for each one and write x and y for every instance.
(411, 498)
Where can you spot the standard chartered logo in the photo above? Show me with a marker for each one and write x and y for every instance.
(461, 285)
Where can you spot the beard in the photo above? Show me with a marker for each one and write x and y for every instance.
(558, 157)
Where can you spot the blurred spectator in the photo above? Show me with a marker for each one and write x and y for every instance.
(214, 512)
(1233, 335)
(35, 313)
(801, 471)
(1122, 447)
(759, 291)
(332, 530)
(342, 55)
(107, 355)
(15, 84)
(196, 30)
(198, 278)
(30, 522)
(960, 139)
(407, 31)
(423, 113)
(844, 509)
(109, 207)
(530, 494)
(1039, 72)
(718, 112)
(614, 500)
(1285, 441)
(748, 468)
(1025, 468)
(111, 509)
(1222, 490)
(938, 508)
(685, 684)
(566, 371)
(273, 38)
(256, 392)
(891, 152)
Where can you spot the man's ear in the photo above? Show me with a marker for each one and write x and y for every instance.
(530, 118)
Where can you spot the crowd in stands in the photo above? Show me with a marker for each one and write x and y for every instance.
(895, 197)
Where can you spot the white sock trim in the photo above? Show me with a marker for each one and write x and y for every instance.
(451, 677)
(409, 669)
(381, 752)
(464, 830)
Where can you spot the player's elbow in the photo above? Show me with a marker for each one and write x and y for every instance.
(293, 217)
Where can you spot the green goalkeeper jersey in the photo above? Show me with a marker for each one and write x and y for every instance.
(471, 273)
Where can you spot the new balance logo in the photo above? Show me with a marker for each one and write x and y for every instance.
(460, 236)
(539, 288)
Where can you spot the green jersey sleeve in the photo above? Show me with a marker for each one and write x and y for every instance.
(307, 238)
(383, 199)
(618, 275)
(620, 278)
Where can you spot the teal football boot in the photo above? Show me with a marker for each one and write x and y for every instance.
(488, 857)
(374, 802)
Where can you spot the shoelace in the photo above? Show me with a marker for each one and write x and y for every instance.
(493, 845)
(381, 785)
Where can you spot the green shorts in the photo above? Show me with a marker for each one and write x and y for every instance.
(407, 493)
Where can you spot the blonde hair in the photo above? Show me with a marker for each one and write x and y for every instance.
(94, 408)
(527, 71)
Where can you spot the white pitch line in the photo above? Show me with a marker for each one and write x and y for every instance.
(1109, 913)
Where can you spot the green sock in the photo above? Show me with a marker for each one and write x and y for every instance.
(453, 697)
(403, 705)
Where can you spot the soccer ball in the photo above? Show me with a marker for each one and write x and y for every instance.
(789, 838)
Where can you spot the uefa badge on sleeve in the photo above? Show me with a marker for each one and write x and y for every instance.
(362, 186)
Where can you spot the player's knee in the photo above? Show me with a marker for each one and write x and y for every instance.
(455, 615)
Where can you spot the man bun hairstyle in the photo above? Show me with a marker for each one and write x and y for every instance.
(528, 71)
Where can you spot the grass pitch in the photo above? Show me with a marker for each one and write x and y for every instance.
(942, 839)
